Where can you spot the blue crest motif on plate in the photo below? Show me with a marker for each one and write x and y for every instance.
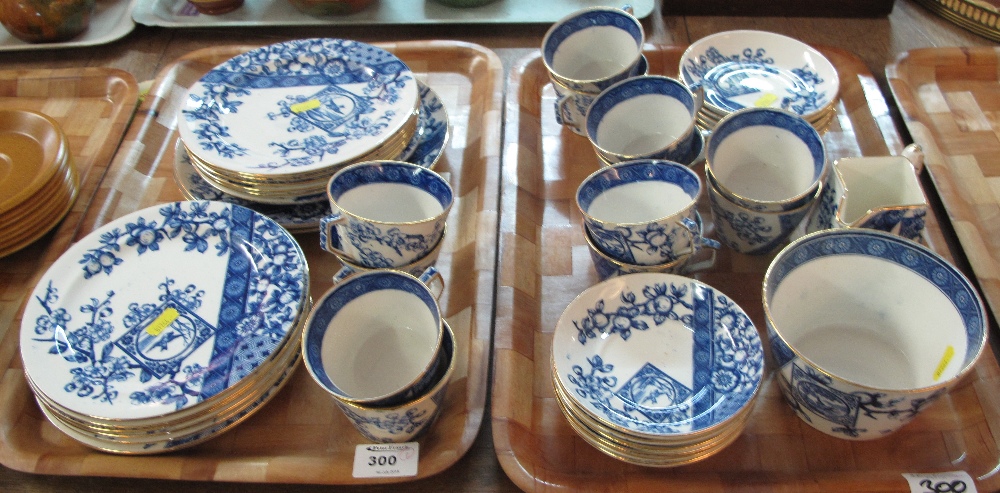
(658, 354)
(298, 105)
(188, 289)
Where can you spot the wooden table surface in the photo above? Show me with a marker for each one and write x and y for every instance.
(877, 41)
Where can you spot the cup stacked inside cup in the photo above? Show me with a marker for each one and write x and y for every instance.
(656, 369)
(588, 51)
(765, 170)
(273, 124)
(759, 69)
(377, 343)
(386, 215)
(639, 216)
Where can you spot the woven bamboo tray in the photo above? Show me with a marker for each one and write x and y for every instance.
(300, 436)
(950, 101)
(544, 264)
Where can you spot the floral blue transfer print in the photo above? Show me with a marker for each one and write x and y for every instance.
(341, 114)
(155, 361)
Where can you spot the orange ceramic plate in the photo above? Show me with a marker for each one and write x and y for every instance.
(32, 146)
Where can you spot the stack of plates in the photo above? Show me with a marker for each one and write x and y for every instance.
(754, 69)
(656, 369)
(273, 124)
(38, 183)
(166, 327)
(425, 149)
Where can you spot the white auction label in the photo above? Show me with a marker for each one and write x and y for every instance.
(386, 460)
(941, 482)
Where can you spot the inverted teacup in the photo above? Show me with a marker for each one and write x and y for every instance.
(642, 211)
(374, 338)
(590, 49)
(766, 159)
(867, 329)
(385, 213)
(644, 117)
(877, 192)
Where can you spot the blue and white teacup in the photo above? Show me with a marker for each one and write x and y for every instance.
(607, 266)
(385, 213)
(416, 268)
(642, 212)
(877, 192)
(374, 339)
(867, 329)
(766, 159)
(571, 106)
(752, 231)
(409, 420)
(591, 49)
(645, 117)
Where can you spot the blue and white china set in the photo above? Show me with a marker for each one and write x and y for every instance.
(655, 368)
(168, 326)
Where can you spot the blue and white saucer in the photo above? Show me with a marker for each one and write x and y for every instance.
(753, 69)
(425, 149)
(163, 310)
(295, 107)
(658, 357)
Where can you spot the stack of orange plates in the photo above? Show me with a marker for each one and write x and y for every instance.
(37, 181)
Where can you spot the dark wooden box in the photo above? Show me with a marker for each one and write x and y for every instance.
(780, 8)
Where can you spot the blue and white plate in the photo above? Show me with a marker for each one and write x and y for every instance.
(657, 355)
(162, 309)
(754, 69)
(427, 145)
(425, 149)
(298, 106)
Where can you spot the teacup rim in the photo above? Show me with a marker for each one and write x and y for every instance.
(645, 161)
(605, 8)
(307, 329)
(446, 209)
(817, 181)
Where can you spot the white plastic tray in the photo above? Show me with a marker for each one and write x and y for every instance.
(112, 20)
(178, 13)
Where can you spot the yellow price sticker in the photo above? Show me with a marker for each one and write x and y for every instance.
(162, 322)
(305, 106)
(765, 101)
(949, 352)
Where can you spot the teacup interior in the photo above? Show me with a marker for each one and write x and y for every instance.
(595, 53)
(379, 342)
(644, 124)
(639, 201)
(390, 202)
(874, 183)
(871, 322)
(765, 163)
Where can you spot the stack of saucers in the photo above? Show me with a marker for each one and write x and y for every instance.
(656, 369)
(38, 184)
(166, 327)
(273, 124)
(759, 69)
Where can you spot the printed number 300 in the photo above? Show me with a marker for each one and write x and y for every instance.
(382, 460)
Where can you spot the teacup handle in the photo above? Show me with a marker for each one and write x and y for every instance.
(699, 98)
(562, 110)
(702, 264)
(432, 278)
(628, 9)
(328, 237)
(697, 240)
